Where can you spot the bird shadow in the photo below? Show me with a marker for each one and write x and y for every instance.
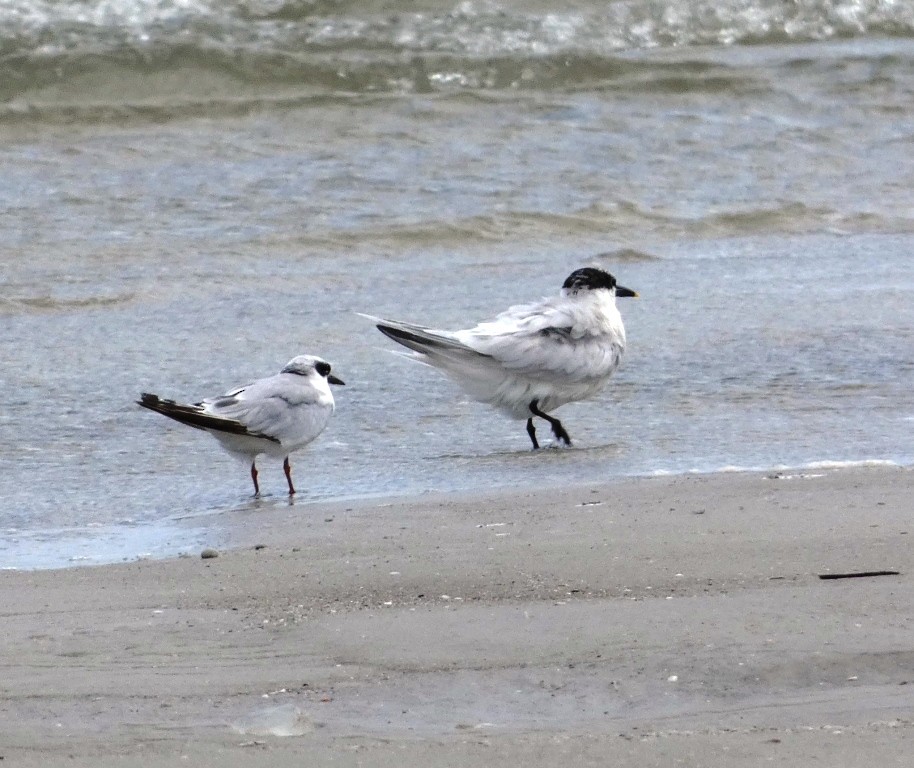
(547, 452)
(264, 502)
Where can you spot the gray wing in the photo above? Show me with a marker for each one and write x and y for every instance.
(537, 341)
(545, 341)
(196, 416)
(283, 408)
(439, 345)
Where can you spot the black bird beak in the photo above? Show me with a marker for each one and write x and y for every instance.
(334, 380)
(620, 291)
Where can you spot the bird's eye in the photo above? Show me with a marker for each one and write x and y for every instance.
(323, 368)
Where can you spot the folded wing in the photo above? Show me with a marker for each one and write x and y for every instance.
(199, 417)
(537, 342)
(547, 341)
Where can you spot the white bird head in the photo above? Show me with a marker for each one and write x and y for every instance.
(311, 365)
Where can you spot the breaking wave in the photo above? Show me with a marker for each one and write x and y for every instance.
(68, 60)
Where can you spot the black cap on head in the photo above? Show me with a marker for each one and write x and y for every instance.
(589, 278)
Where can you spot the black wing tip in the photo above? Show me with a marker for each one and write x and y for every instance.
(427, 343)
(186, 414)
(192, 416)
(392, 332)
(407, 338)
(149, 400)
(385, 329)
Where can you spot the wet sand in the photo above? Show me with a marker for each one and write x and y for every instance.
(662, 621)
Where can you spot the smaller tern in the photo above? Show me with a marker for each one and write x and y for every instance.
(532, 358)
(274, 416)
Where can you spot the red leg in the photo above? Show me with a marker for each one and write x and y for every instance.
(254, 477)
(287, 468)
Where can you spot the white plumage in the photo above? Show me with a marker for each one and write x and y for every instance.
(532, 358)
(273, 416)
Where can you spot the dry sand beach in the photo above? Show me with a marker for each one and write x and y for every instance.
(662, 621)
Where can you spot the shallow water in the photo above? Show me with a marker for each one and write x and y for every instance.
(191, 196)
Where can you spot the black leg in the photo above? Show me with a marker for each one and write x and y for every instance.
(557, 429)
(531, 430)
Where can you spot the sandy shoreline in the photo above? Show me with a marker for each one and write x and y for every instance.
(663, 621)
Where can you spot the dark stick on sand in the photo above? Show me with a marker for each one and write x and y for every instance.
(860, 575)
